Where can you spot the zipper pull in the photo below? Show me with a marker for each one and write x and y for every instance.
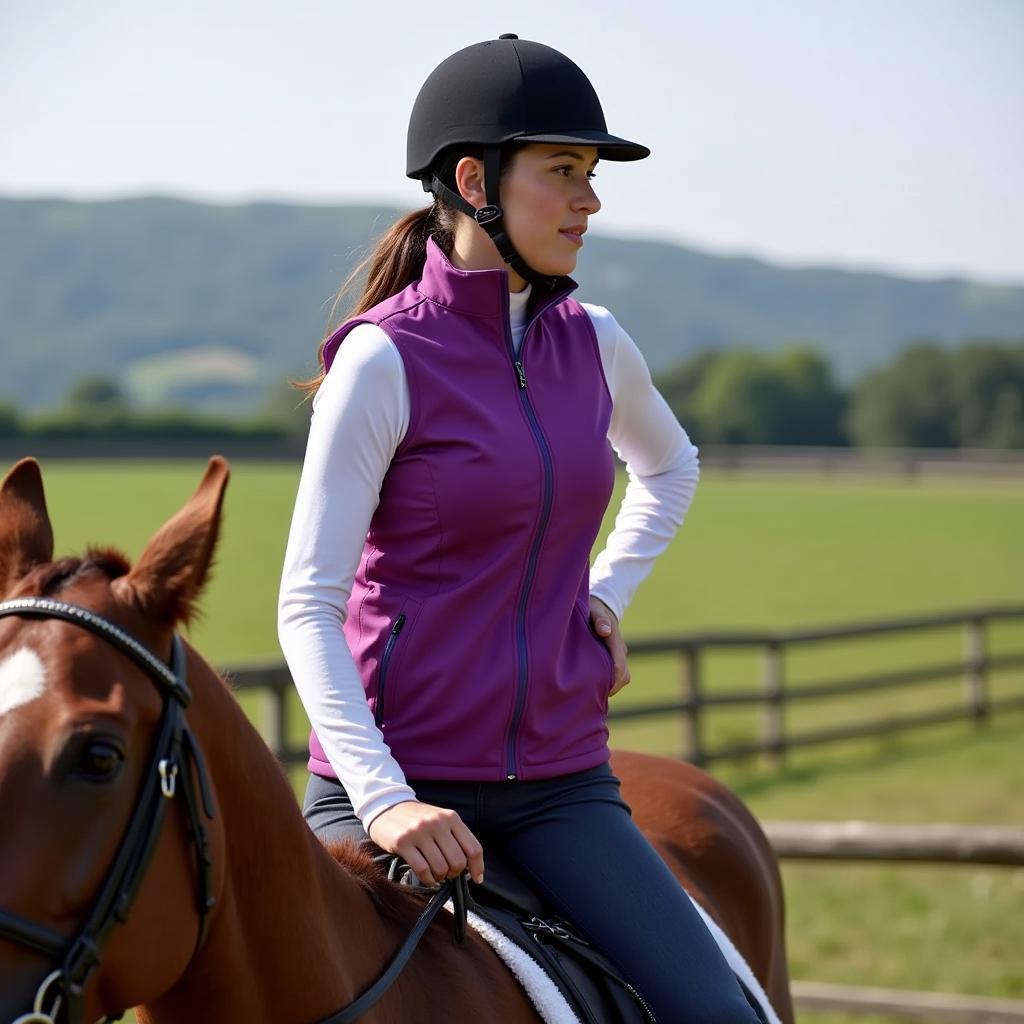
(522, 374)
(399, 623)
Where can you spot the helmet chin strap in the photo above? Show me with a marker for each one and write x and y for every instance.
(490, 217)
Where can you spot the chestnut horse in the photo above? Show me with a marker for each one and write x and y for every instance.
(282, 932)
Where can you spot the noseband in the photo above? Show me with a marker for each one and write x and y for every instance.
(170, 771)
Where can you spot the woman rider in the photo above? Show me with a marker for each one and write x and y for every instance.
(453, 647)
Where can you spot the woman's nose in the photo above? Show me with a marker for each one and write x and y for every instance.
(587, 200)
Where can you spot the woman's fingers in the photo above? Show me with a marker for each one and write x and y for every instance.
(606, 625)
(455, 857)
(619, 651)
(433, 841)
(473, 850)
(434, 856)
(412, 856)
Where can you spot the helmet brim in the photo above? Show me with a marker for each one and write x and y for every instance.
(609, 147)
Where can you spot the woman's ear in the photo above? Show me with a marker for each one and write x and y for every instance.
(469, 181)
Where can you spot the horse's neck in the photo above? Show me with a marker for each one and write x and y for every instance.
(294, 936)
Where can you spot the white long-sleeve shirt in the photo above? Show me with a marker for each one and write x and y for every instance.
(360, 415)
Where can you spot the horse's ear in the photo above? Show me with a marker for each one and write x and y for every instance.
(169, 575)
(26, 536)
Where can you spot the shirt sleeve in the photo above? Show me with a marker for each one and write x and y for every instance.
(661, 464)
(360, 414)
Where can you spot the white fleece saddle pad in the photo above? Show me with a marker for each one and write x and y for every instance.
(551, 1004)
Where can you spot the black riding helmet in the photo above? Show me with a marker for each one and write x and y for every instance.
(500, 91)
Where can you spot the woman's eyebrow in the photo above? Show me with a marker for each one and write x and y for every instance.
(569, 152)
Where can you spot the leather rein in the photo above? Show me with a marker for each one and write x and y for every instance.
(170, 771)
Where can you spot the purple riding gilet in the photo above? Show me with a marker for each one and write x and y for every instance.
(468, 618)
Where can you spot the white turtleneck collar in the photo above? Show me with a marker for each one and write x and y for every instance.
(517, 302)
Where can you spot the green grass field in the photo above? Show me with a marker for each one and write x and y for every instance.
(757, 551)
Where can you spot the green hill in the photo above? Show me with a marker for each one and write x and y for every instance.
(210, 306)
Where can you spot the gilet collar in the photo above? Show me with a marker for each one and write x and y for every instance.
(477, 292)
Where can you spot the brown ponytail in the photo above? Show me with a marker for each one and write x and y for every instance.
(394, 264)
(399, 256)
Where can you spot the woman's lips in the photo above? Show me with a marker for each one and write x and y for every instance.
(576, 237)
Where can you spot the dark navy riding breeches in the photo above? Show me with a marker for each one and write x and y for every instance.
(574, 838)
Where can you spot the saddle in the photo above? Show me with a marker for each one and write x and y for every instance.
(592, 986)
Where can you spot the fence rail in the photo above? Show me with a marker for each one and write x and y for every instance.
(939, 1007)
(921, 844)
(860, 841)
(774, 693)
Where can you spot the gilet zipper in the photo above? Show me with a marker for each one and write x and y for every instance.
(522, 667)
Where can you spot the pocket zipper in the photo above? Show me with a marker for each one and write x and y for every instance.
(389, 646)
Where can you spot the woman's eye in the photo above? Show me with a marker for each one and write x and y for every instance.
(567, 171)
(99, 762)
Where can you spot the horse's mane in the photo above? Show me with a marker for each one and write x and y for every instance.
(356, 861)
(394, 901)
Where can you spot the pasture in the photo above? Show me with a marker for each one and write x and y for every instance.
(757, 551)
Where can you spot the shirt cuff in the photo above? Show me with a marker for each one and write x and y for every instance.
(378, 805)
(604, 593)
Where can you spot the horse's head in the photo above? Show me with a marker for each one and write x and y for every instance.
(93, 748)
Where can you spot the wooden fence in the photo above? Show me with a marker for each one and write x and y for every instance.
(773, 693)
(858, 841)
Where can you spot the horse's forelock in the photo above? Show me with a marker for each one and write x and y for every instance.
(110, 561)
(50, 579)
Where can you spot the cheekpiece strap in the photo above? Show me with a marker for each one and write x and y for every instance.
(490, 216)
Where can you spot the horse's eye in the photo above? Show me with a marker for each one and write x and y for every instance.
(100, 761)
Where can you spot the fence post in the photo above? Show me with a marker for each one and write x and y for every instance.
(275, 718)
(693, 749)
(975, 669)
(772, 710)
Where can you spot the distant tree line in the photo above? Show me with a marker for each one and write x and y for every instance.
(96, 409)
(928, 397)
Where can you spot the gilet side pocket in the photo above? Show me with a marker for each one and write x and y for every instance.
(385, 660)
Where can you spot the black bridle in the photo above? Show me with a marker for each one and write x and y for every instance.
(175, 754)
(170, 771)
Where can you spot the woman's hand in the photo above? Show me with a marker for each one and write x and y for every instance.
(606, 626)
(433, 841)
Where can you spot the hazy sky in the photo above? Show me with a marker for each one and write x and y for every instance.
(861, 133)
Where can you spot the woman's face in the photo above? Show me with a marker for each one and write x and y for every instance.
(547, 198)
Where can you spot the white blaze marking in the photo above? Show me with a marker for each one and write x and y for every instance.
(22, 679)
